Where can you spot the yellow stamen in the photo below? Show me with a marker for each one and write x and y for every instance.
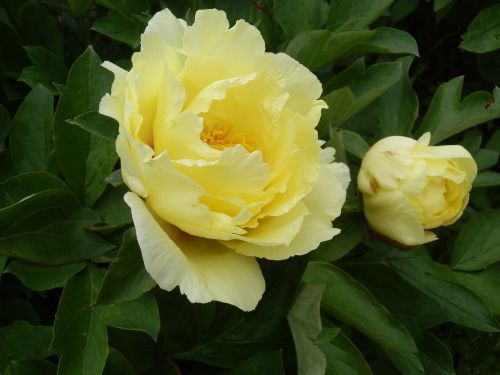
(220, 137)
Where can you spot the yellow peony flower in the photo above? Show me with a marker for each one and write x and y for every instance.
(218, 146)
(409, 187)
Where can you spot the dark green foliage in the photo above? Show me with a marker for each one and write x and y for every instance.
(74, 295)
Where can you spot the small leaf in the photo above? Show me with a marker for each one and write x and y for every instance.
(30, 137)
(126, 278)
(318, 47)
(478, 243)
(388, 40)
(40, 278)
(347, 14)
(95, 123)
(305, 323)
(483, 34)
(21, 341)
(48, 68)
(347, 300)
(80, 337)
(140, 314)
(447, 115)
(118, 364)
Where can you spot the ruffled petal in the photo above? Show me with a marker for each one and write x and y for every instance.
(203, 269)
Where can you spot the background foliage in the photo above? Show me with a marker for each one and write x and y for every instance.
(75, 298)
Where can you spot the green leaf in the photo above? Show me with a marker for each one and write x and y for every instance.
(21, 341)
(348, 301)
(484, 284)
(305, 323)
(486, 158)
(447, 115)
(113, 209)
(353, 227)
(354, 143)
(397, 295)
(120, 28)
(85, 159)
(296, 16)
(348, 15)
(5, 126)
(441, 4)
(358, 86)
(31, 367)
(21, 186)
(344, 358)
(269, 363)
(434, 354)
(48, 68)
(388, 40)
(397, 108)
(95, 123)
(483, 34)
(79, 7)
(465, 308)
(140, 314)
(56, 243)
(30, 137)
(118, 364)
(318, 47)
(478, 243)
(126, 278)
(80, 337)
(40, 278)
(486, 179)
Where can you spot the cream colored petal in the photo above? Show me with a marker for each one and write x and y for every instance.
(112, 105)
(170, 28)
(329, 193)
(208, 29)
(390, 214)
(388, 168)
(236, 172)
(415, 183)
(203, 269)
(132, 154)
(215, 91)
(176, 199)
(314, 230)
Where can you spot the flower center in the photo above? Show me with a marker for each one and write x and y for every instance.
(220, 137)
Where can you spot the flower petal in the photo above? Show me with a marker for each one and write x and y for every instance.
(390, 214)
(203, 269)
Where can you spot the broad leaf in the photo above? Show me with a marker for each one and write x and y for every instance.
(347, 14)
(31, 367)
(478, 243)
(126, 278)
(269, 363)
(21, 341)
(30, 137)
(344, 358)
(318, 47)
(347, 300)
(296, 16)
(80, 338)
(486, 178)
(39, 278)
(388, 40)
(305, 323)
(95, 123)
(141, 314)
(85, 159)
(484, 31)
(356, 87)
(447, 115)
(121, 28)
